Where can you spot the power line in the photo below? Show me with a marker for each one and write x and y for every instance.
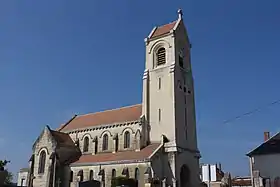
(251, 112)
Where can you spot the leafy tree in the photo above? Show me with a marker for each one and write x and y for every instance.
(9, 178)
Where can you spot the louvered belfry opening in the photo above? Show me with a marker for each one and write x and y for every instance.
(161, 56)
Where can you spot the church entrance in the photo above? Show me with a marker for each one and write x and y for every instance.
(184, 176)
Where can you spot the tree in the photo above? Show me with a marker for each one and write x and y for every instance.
(9, 177)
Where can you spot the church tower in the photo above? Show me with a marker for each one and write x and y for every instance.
(168, 97)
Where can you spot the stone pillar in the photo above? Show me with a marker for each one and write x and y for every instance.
(137, 141)
(164, 182)
(93, 145)
(174, 182)
(171, 160)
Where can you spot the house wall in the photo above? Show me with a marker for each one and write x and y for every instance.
(267, 165)
(22, 178)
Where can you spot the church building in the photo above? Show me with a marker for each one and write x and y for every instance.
(154, 142)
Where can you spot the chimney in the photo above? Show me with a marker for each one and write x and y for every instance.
(266, 136)
(220, 166)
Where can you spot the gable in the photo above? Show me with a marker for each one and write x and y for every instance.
(271, 146)
(45, 140)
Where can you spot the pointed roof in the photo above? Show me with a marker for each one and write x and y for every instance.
(119, 115)
(62, 139)
(271, 146)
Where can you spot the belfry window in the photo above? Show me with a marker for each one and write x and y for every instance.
(161, 56)
(86, 144)
(105, 142)
(42, 162)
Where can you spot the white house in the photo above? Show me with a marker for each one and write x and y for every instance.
(265, 162)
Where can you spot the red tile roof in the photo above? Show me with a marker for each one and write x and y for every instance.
(119, 156)
(241, 182)
(119, 115)
(163, 29)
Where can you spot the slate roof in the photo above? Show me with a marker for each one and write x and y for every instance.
(271, 146)
(119, 115)
(123, 156)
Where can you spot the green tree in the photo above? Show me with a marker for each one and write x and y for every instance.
(9, 178)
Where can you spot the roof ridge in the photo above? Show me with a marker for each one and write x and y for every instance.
(128, 106)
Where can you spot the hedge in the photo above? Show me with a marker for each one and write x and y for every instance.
(118, 181)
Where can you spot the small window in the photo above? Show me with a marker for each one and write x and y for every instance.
(105, 142)
(126, 139)
(91, 175)
(113, 173)
(159, 83)
(161, 56)
(159, 114)
(86, 144)
(181, 62)
(42, 162)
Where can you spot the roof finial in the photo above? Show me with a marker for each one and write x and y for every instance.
(180, 13)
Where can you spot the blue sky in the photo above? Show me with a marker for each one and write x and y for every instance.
(64, 57)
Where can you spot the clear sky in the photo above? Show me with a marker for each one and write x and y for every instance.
(64, 57)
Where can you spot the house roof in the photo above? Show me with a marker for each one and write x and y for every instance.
(119, 115)
(164, 29)
(241, 182)
(271, 146)
(124, 156)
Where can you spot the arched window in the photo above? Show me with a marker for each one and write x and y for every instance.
(86, 144)
(71, 176)
(113, 173)
(126, 139)
(161, 56)
(137, 174)
(105, 142)
(42, 162)
(91, 175)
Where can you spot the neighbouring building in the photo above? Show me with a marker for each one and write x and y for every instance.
(241, 182)
(264, 162)
(152, 141)
(212, 175)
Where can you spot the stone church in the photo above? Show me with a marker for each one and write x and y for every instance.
(154, 142)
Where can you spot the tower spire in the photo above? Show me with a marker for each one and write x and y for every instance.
(180, 13)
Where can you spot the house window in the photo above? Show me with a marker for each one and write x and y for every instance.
(161, 56)
(113, 173)
(126, 139)
(86, 144)
(159, 114)
(42, 162)
(159, 83)
(91, 175)
(105, 142)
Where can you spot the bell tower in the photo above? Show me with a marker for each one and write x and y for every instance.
(168, 96)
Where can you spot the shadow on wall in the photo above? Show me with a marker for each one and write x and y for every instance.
(92, 183)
